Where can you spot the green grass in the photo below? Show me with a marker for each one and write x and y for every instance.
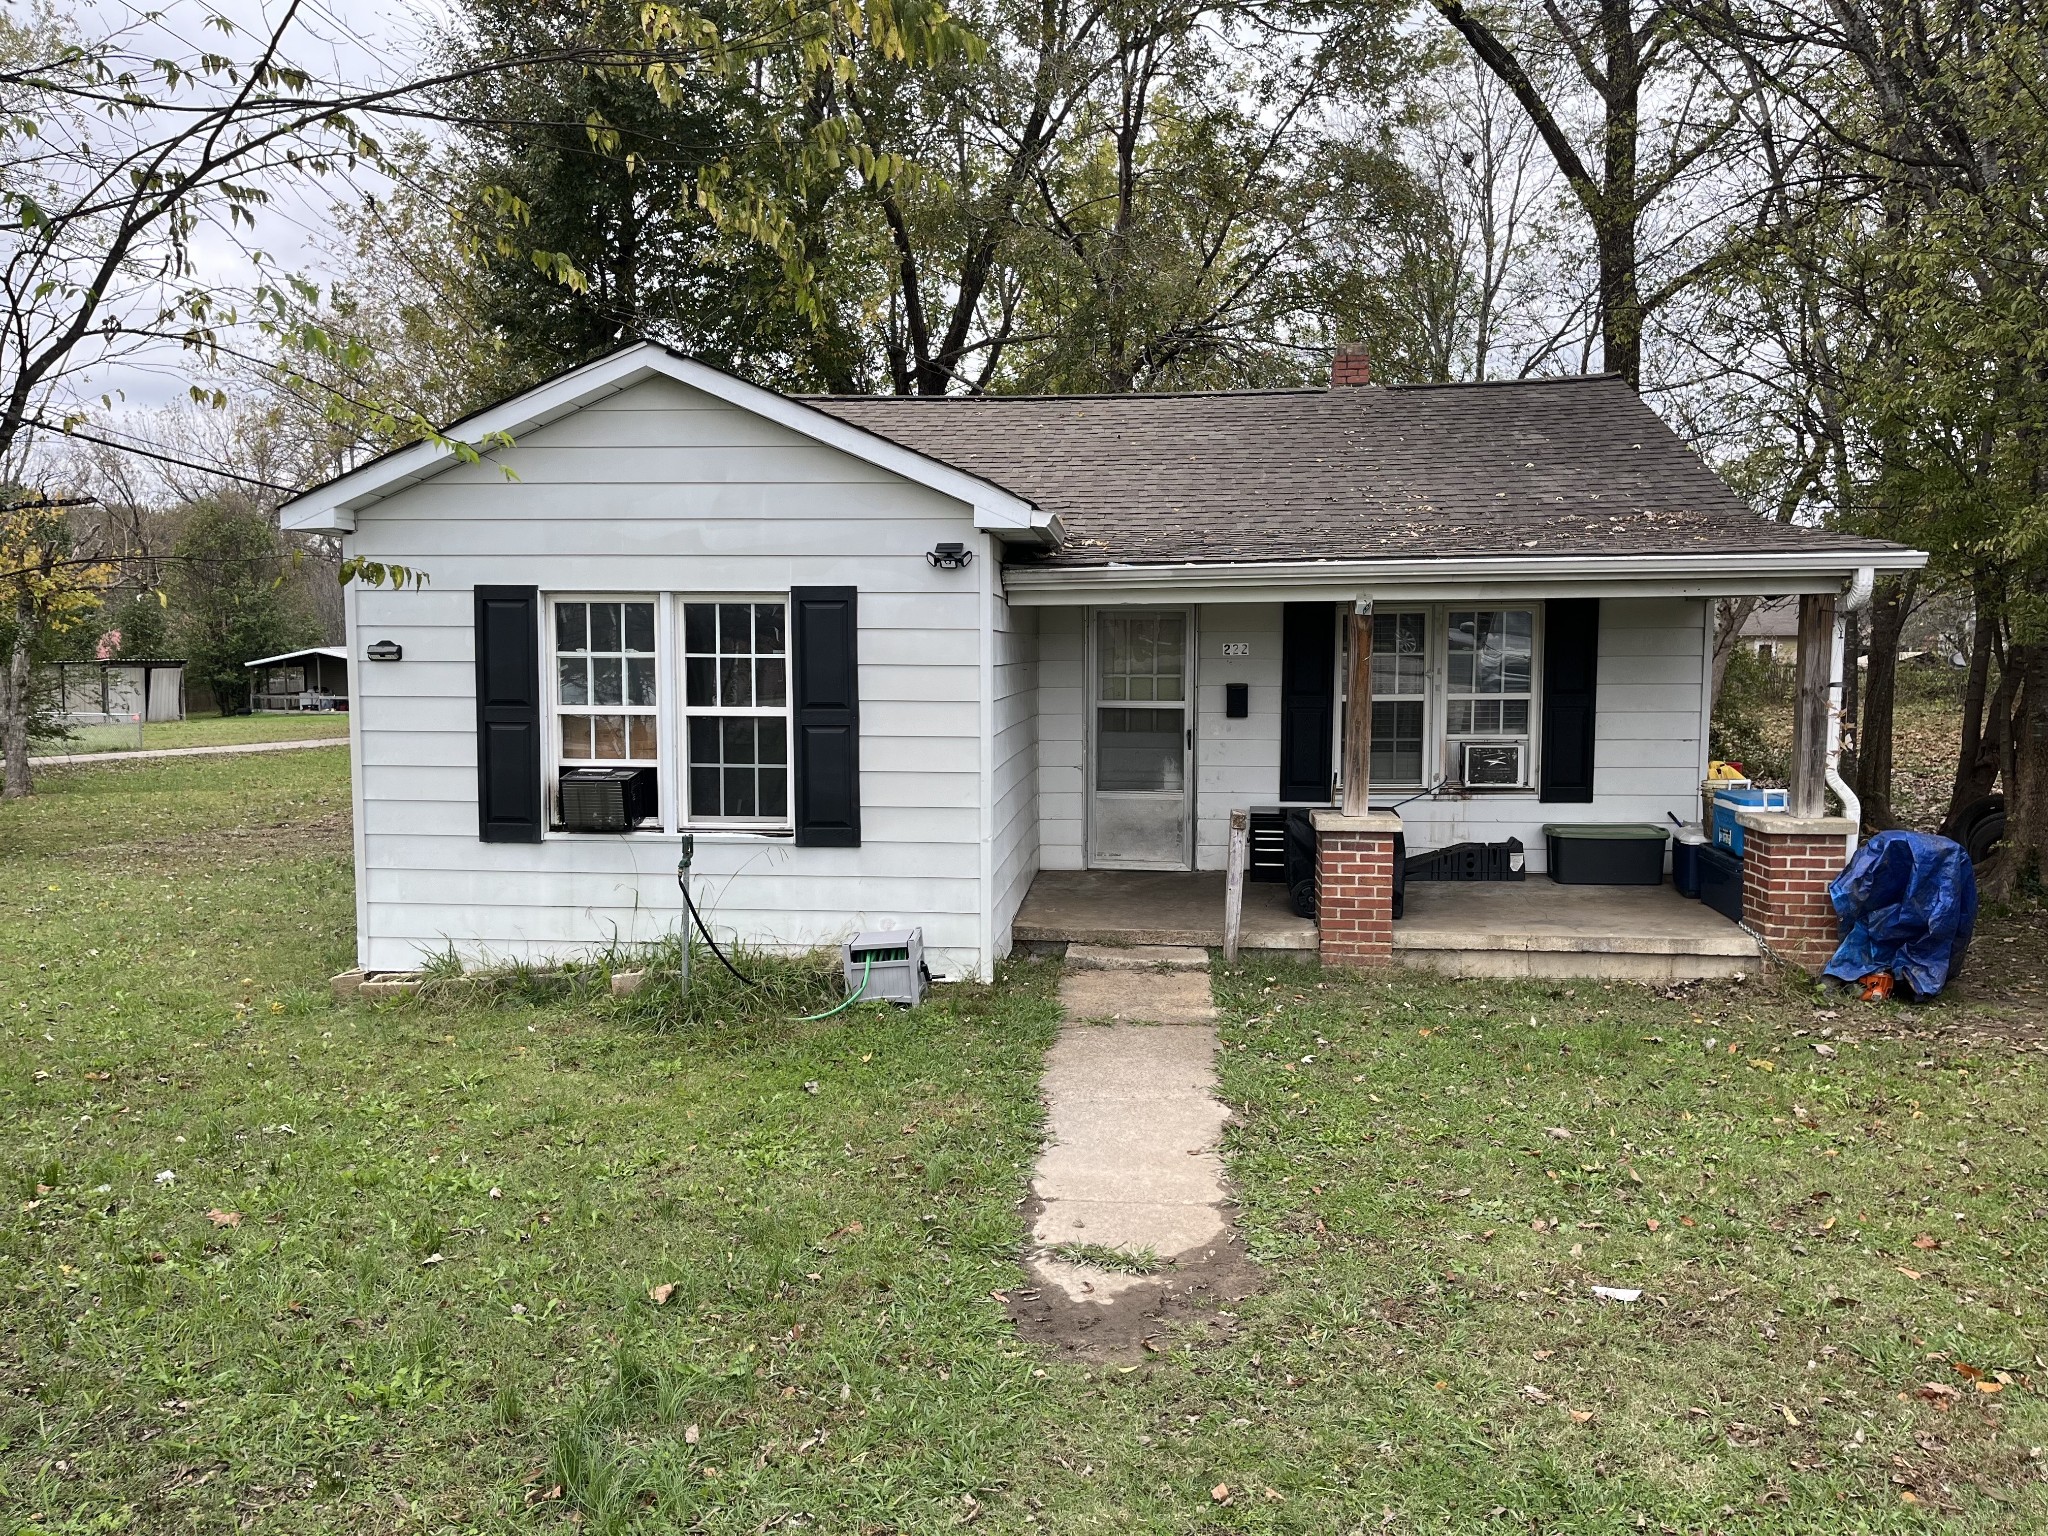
(200, 731)
(431, 1310)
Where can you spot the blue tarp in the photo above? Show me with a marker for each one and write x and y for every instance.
(1908, 904)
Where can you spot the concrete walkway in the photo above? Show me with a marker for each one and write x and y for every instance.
(1133, 1125)
(232, 750)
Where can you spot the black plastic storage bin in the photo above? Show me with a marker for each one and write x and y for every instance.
(1605, 853)
(1721, 882)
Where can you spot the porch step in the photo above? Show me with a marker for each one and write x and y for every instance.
(1136, 957)
(1548, 931)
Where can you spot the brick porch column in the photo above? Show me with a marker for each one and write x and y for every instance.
(1787, 864)
(1355, 887)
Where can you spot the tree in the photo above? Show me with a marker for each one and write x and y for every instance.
(1632, 59)
(1914, 206)
(46, 590)
(230, 596)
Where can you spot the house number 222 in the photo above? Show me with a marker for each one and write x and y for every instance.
(1237, 647)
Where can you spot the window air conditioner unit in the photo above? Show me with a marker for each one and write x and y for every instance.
(608, 799)
(1493, 764)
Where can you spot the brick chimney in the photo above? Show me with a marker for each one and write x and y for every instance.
(1352, 366)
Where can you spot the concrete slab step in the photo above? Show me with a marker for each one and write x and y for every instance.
(1137, 997)
(1136, 957)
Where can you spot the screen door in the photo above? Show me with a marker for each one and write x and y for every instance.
(1143, 745)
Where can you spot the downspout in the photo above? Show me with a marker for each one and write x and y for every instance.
(1852, 602)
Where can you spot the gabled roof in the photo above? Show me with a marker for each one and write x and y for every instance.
(337, 652)
(1537, 469)
(331, 508)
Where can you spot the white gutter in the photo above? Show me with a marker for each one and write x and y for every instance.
(1772, 572)
(1852, 602)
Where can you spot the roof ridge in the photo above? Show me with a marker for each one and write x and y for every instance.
(1543, 378)
(1044, 399)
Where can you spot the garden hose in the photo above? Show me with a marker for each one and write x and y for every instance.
(683, 884)
(867, 964)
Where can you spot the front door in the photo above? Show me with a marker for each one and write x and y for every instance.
(1140, 779)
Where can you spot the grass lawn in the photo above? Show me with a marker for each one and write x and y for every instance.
(201, 731)
(400, 1279)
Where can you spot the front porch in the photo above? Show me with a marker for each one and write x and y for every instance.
(1532, 928)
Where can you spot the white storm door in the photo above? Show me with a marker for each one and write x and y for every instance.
(1141, 740)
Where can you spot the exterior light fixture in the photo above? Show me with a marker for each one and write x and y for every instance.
(384, 650)
(949, 557)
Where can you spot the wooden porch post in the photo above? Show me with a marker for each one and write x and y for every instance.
(1809, 796)
(1358, 712)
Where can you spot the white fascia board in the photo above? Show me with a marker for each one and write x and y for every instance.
(331, 508)
(1452, 579)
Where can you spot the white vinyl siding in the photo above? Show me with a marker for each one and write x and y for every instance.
(1062, 738)
(697, 498)
(1015, 763)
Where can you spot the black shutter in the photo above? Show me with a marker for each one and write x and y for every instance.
(508, 788)
(825, 700)
(1308, 699)
(1571, 679)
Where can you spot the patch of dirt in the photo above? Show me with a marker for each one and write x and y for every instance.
(311, 835)
(2007, 967)
(1190, 1293)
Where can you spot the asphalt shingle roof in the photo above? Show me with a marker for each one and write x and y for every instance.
(1555, 466)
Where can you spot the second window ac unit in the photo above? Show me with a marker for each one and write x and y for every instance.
(1493, 764)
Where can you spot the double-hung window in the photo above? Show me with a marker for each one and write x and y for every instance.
(605, 682)
(1491, 672)
(1400, 696)
(736, 712)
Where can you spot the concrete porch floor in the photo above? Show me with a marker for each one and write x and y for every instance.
(1533, 927)
(1536, 927)
(1142, 906)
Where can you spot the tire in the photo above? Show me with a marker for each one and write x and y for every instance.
(1965, 821)
(1985, 834)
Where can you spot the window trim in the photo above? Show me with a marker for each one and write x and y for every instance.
(672, 757)
(677, 737)
(1438, 750)
(553, 764)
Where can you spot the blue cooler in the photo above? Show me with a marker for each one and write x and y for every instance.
(1687, 843)
(1727, 833)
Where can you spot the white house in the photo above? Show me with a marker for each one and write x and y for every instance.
(889, 659)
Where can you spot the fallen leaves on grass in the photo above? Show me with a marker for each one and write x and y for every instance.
(1220, 1493)
(221, 1218)
(660, 1294)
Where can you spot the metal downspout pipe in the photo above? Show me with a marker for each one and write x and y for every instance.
(1852, 602)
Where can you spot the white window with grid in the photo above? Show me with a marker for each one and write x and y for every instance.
(1400, 697)
(736, 712)
(606, 693)
(1490, 672)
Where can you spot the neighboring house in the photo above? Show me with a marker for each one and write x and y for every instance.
(891, 658)
(315, 678)
(1772, 630)
(148, 688)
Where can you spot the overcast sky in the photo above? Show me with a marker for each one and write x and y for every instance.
(352, 41)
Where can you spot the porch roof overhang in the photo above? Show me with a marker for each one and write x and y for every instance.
(1454, 578)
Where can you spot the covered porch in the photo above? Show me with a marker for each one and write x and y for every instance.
(1532, 928)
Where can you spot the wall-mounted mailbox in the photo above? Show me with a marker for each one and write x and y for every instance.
(1237, 701)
